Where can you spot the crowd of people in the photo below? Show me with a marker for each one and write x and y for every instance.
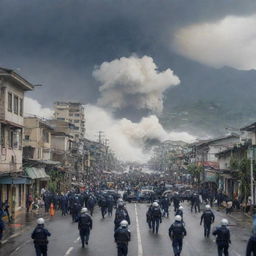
(80, 205)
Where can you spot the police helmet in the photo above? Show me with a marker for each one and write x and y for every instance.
(178, 218)
(84, 210)
(40, 221)
(224, 222)
(155, 204)
(181, 208)
(124, 223)
(207, 207)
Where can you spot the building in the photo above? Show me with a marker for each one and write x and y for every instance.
(37, 146)
(13, 182)
(73, 113)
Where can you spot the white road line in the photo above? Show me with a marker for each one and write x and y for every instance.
(14, 235)
(77, 240)
(69, 251)
(4, 241)
(236, 253)
(17, 249)
(140, 250)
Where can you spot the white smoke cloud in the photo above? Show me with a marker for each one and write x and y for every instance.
(228, 42)
(33, 107)
(133, 82)
(127, 138)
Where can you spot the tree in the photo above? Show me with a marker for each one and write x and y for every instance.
(195, 172)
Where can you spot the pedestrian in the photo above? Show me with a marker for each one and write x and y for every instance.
(40, 235)
(222, 234)
(122, 238)
(251, 245)
(208, 218)
(84, 226)
(103, 206)
(1, 228)
(6, 210)
(177, 232)
(29, 201)
(165, 205)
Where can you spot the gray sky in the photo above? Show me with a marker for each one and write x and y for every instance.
(58, 42)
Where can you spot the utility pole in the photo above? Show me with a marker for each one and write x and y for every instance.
(252, 178)
(100, 134)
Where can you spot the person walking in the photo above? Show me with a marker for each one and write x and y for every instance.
(222, 234)
(177, 232)
(40, 235)
(122, 237)
(84, 226)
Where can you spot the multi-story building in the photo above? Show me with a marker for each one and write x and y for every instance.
(12, 181)
(73, 113)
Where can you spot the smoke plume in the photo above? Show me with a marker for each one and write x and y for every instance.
(33, 107)
(127, 139)
(133, 82)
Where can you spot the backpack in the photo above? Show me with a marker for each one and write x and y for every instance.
(155, 212)
(177, 230)
(84, 221)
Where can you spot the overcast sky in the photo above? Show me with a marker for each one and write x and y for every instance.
(58, 43)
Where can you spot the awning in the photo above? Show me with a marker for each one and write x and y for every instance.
(36, 173)
(7, 180)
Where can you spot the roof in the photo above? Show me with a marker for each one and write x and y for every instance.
(36, 173)
(13, 76)
(251, 127)
(208, 142)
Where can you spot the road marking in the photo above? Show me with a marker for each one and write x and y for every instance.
(4, 241)
(17, 249)
(77, 240)
(236, 253)
(140, 250)
(14, 235)
(69, 251)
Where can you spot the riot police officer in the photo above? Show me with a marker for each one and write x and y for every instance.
(122, 238)
(156, 217)
(180, 212)
(121, 214)
(177, 232)
(39, 236)
(208, 218)
(223, 238)
(251, 246)
(84, 226)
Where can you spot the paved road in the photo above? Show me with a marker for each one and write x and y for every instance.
(65, 238)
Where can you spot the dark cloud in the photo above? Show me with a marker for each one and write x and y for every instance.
(58, 42)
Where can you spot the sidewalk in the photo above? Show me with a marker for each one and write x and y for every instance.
(22, 221)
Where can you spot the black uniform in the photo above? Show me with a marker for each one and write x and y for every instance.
(251, 246)
(39, 236)
(222, 240)
(122, 237)
(156, 218)
(121, 214)
(177, 232)
(208, 218)
(84, 226)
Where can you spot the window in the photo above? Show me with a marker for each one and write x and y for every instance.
(77, 114)
(46, 136)
(9, 102)
(21, 107)
(10, 139)
(2, 136)
(26, 137)
(16, 105)
(76, 121)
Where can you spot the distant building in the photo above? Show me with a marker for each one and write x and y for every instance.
(13, 182)
(73, 113)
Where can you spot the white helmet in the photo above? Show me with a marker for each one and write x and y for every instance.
(178, 218)
(124, 223)
(40, 221)
(224, 222)
(181, 208)
(155, 204)
(207, 207)
(84, 210)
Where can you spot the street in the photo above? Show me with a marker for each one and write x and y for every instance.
(65, 238)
